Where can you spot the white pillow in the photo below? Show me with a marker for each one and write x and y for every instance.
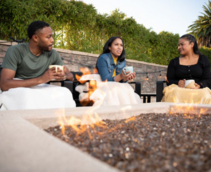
(81, 88)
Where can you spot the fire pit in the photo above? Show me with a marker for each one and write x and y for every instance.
(131, 138)
(148, 142)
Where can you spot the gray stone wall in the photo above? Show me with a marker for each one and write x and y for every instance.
(74, 60)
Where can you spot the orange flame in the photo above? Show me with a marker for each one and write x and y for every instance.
(87, 123)
(188, 111)
(92, 85)
(85, 71)
(130, 119)
(81, 125)
(95, 71)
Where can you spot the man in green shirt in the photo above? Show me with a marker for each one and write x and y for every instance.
(30, 61)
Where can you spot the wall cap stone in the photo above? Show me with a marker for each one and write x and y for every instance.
(5, 42)
(76, 52)
(146, 63)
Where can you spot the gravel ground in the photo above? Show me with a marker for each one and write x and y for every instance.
(148, 142)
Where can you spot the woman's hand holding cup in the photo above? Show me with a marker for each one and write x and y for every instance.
(127, 73)
(197, 86)
(181, 83)
(132, 76)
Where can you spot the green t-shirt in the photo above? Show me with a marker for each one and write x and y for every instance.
(20, 59)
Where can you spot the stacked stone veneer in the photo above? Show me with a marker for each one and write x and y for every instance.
(75, 60)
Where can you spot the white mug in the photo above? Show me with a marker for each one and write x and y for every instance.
(190, 83)
(127, 69)
(56, 67)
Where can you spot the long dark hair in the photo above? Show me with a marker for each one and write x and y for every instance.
(191, 38)
(108, 44)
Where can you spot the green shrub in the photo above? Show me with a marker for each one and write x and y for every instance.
(78, 26)
(206, 51)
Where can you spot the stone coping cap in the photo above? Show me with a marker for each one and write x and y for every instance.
(76, 52)
(5, 42)
(142, 62)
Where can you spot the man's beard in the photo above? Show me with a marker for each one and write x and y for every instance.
(44, 48)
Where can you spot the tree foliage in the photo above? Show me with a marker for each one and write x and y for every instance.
(78, 26)
(207, 52)
(201, 28)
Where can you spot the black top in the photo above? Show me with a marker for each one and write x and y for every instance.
(200, 71)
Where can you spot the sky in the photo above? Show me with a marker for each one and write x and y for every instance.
(160, 15)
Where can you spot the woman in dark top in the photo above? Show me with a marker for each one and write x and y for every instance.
(191, 64)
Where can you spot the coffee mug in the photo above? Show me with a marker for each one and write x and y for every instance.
(190, 83)
(127, 69)
(57, 67)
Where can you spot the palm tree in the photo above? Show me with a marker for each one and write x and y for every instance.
(201, 28)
